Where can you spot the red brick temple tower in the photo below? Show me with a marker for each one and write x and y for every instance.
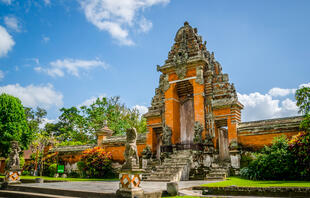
(193, 93)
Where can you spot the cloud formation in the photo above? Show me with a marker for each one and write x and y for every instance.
(258, 106)
(280, 92)
(91, 100)
(8, 2)
(6, 42)
(142, 109)
(70, 66)
(34, 96)
(118, 17)
(12, 23)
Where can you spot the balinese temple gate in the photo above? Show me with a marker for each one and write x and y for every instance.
(195, 108)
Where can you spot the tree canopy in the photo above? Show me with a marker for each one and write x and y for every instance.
(13, 124)
(302, 96)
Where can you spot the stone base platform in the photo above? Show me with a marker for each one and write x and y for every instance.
(92, 188)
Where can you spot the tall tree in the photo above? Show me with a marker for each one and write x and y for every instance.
(302, 96)
(13, 124)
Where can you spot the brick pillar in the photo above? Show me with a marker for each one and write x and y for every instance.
(232, 129)
(199, 103)
(172, 113)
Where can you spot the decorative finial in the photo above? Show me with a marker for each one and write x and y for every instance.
(186, 23)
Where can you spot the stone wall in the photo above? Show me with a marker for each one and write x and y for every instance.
(116, 145)
(257, 134)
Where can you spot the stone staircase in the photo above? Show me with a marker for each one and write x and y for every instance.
(218, 171)
(174, 168)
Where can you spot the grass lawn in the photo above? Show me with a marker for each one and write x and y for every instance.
(64, 179)
(237, 181)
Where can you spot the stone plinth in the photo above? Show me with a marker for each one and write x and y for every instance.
(12, 176)
(129, 185)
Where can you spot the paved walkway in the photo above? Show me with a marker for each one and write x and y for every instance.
(111, 186)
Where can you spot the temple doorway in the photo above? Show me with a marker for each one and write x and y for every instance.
(158, 132)
(223, 144)
(187, 116)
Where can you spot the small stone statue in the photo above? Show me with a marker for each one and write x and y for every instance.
(13, 172)
(131, 153)
(147, 152)
(198, 128)
(167, 133)
(14, 161)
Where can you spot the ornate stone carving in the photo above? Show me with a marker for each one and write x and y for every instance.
(147, 152)
(199, 75)
(164, 83)
(131, 153)
(167, 133)
(198, 129)
(233, 145)
(14, 161)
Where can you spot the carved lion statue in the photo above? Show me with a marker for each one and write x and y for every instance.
(131, 153)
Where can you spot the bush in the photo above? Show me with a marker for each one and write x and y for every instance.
(299, 146)
(25, 172)
(52, 170)
(274, 162)
(95, 162)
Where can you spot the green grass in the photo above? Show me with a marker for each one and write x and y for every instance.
(65, 179)
(237, 181)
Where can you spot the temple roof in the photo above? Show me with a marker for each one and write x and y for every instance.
(187, 44)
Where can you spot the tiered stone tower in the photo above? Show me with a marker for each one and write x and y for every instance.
(193, 90)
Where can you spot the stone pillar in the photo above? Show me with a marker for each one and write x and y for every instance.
(102, 134)
(13, 172)
(235, 158)
(130, 174)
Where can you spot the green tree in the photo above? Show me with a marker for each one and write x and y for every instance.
(13, 124)
(302, 96)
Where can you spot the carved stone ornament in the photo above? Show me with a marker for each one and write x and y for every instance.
(180, 60)
(167, 133)
(131, 153)
(199, 75)
(147, 152)
(233, 145)
(164, 82)
(198, 128)
(14, 162)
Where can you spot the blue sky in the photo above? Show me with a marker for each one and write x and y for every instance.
(56, 53)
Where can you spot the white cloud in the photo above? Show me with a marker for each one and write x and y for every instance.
(280, 92)
(47, 2)
(45, 39)
(8, 2)
(12, 23)
(142, 109)
(45, 121)
(34, 96)
(91, 100)
(304, 85)
(6, 42)
(145, 25)
(70, 66)
(1, 75)
(259, 106)
(118, 17)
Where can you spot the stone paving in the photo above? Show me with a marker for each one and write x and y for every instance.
(111, 186)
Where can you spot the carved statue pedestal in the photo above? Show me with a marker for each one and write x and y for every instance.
(12, 176)
(129, 185)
